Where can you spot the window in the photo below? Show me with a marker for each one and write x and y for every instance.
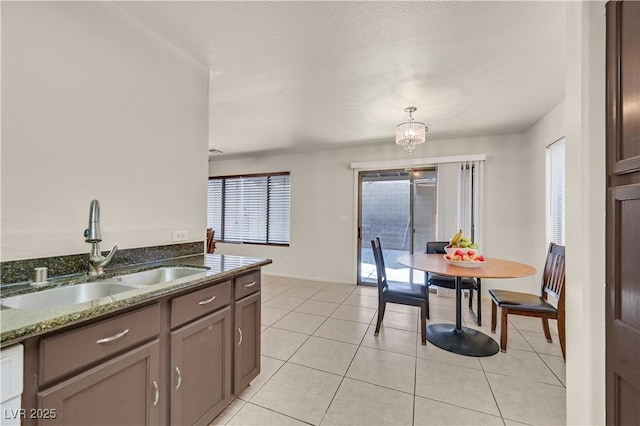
(250, 209)
(556, 192)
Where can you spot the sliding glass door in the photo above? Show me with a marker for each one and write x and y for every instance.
(399, 207)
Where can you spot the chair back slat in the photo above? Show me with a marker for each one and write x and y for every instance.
(211, 242)
(553, 277)
(436, 247)
(380, 268)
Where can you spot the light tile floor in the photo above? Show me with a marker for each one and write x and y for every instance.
(322, 365)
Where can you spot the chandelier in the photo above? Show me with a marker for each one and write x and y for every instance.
(411, 133)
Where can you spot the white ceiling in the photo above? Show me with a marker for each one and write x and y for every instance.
(307, 75)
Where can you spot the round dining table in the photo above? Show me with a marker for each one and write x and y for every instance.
(459, 339)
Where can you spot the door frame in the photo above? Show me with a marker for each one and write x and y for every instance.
(359, 241)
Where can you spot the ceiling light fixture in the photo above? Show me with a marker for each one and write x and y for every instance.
(411, 133)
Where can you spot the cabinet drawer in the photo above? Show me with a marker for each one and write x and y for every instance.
(73, 350)
(247, 284)
(201, 302)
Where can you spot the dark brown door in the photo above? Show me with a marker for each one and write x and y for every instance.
(122, 391)
(623, 213)
(247, 347)
(201, 369)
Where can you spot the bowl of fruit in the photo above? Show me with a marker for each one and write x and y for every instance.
(460, 243)
(470, 259)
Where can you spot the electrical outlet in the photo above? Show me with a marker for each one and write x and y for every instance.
(180, 235)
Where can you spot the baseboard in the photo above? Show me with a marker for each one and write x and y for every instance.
(300, 277)
(447, 292)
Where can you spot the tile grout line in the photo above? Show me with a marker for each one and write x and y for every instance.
(415, 379)
(296, 351)
(520, 378)
(541, 359)
(462, 407)
(379, 385)
(484, 372)
(234, 414)
(343, 377)
(274, 373)
(553, 372)
(525, 379)
(273, 411)
(360, 345)
(273, 325)
(258, 390)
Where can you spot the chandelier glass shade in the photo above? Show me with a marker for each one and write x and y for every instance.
(411, 132)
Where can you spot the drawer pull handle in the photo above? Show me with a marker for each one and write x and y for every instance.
(112, 338)
(240, 332)
(179, 374)
(250, 284)
(204, 302)
(157, 390)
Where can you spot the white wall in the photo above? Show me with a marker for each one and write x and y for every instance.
(547, 130)
(94, 105)
(322, 190)
(585, 234)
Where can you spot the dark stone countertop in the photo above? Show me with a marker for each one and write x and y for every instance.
(19, 324)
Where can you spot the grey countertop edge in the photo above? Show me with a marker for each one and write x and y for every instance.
(63, 317)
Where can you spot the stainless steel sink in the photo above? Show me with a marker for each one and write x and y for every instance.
(65, 296)
(79, 293)
(157, 276)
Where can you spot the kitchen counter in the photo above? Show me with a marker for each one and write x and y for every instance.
(19, 324)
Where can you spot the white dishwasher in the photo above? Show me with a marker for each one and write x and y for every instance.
(11, 362)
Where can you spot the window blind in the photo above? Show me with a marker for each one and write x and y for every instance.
(279, 216)
(250, 209)
(556, 221)
(214, 207)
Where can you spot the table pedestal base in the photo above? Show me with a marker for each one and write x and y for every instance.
(465, 341)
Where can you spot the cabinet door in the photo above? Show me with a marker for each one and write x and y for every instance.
(247, 347)
(201, 369)
(623, 214)
(121, 391)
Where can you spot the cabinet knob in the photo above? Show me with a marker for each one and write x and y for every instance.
(240, 332)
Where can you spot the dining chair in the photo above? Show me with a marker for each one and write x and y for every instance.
(444, 281)
(533, 305)
(402, 293)
(211, 242)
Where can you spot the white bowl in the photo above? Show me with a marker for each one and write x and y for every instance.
(452, 250)
(466, 263)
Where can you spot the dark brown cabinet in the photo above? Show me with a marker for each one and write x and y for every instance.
(71, 352)
(102, 374)
(247, 347)
(201, 376)
(177, 361)
(200, 302)
(623, 213)
(121, 391)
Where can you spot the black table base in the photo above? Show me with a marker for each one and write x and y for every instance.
(463, 341)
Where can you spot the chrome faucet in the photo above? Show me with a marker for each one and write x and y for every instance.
(92, 235)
